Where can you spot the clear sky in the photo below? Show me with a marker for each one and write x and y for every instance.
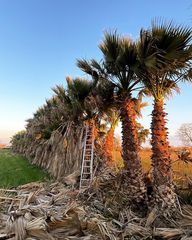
(40, 41)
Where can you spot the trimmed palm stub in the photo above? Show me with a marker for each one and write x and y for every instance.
(135, 185)
(165, 196)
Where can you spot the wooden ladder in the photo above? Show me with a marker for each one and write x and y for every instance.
(87, 161)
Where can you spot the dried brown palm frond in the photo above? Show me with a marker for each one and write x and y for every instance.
(151, 217)
(136, 230)
(184, 155)
(38, 228)
(55, 212)
(6, 236)
(186, 220)
(168, 233)
(17, 226)
(105, 231)
(31, 186)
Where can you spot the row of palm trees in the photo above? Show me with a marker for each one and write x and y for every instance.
(153, 65)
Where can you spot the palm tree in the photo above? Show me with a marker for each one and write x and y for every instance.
(77, 99)
(164, 52)
(108, 145)
(118, 67)
(113, 118)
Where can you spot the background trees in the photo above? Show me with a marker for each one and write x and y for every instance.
(185, 134)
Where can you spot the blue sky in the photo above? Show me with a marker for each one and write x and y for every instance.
(40, 41)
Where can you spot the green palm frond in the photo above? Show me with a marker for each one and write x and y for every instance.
(128, 54)
(146, 51)
(169, 87)
(172, 42)
(86, 67)
(61, 94)
(59, 90)
(81, 88)
(188, 75)
(165, 55)
(110, 47)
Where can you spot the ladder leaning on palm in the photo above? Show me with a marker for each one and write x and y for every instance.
(88, 153)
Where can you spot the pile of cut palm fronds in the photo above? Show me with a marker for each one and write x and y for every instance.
(52, 211)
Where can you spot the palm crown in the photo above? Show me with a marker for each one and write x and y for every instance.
(118, 64)
(164, 53)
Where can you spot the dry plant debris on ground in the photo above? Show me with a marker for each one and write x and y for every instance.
(54, 211)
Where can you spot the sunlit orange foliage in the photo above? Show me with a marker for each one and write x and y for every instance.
(181, 170)
(2, 145)
(108, 148)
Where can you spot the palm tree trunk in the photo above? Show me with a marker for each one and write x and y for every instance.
(130, 154)
(164, 195)
(108, 147)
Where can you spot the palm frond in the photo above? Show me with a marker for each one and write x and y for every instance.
(110, 46)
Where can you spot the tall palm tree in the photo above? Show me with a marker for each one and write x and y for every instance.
(118, 67)
(165, 57)
(113, 117)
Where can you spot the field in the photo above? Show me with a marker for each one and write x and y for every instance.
(182, 171)
(16, 170)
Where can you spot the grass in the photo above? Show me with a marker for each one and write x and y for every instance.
(16, 170)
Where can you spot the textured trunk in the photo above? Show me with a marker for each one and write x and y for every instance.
(108, 147)
(164, 195)
(131, 158)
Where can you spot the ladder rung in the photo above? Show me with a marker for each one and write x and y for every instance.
(86, 171)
